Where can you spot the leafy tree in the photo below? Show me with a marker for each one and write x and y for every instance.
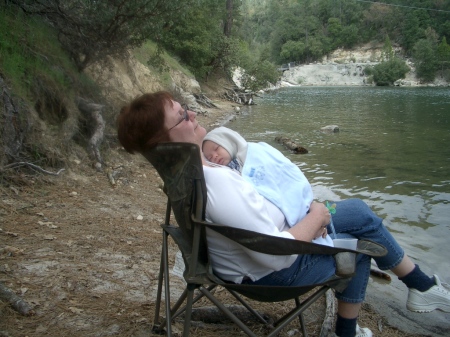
(334, 29)
(425, 60)
(443, 54)
(93, 30)
(387, 72)
(292, 50)
(350, 36)
(410, 32)
(388, 52)
(198, 38)
(379, 20)
(315, 48)
(260, 75)
(193, 39)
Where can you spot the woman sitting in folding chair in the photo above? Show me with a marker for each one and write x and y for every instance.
(154, 118)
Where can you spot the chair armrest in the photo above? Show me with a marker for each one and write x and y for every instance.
(274, 245)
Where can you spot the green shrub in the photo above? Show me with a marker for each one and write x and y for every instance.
(386, 73)
(260, 75)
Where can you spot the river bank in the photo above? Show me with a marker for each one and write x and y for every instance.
(347, 68)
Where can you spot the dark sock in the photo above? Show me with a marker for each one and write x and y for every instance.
(345, 327)
(417, 279)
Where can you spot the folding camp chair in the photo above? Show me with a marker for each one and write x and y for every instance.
(180, 167)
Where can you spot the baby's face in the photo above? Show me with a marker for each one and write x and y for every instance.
(216, 153)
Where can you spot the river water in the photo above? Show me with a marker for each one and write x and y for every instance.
(392, 150)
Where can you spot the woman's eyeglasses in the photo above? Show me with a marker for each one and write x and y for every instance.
(185, 116)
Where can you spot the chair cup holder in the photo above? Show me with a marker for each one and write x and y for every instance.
(345, 263)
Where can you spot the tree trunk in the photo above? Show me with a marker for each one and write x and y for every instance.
(94, 112)
(14, 129)
(328, 320)
(291, 145)
(229, 22)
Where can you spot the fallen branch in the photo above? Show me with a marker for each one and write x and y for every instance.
(291, 145)
(328, 320)
(33, 166)
(205, 101)
(15, 301)
(238, 96)
(94, 112)
(110, 175)
(215, 316)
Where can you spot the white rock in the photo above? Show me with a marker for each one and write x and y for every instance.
(330, 128)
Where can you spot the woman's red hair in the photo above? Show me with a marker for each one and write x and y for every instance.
(140, 124)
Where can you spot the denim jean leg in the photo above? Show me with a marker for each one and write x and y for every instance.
(354, 217)
(313, 269)
(306, 270)
(356, 289)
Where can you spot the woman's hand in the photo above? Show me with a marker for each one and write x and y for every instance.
(314, 224)
(322, 233)
(321, 213)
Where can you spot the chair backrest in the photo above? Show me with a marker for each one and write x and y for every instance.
(180, 167)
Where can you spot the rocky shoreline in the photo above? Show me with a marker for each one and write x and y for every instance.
(346, 68)
(344, 74)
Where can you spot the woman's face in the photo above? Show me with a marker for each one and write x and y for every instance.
(181, 130)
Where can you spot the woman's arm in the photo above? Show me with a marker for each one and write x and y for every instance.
(312, 225)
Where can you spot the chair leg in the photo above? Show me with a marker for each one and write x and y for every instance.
(301, 318)
(188, 311)
(249, 308)
(163, 271)
(183, 297)
(159, 293)
(163, 276)
(285, 320)
(227, 312)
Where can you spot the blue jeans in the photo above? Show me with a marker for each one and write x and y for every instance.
(353, 218)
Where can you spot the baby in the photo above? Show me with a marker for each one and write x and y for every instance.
(273, 175)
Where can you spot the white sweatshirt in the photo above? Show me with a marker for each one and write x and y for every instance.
(234, 202)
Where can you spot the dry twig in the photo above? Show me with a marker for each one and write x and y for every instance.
(16, 302)
(33, 166)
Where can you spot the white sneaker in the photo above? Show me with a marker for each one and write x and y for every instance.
(437, 297)
(363, 332)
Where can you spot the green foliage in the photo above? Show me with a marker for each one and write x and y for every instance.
(305, 30)
(260, 75)
(411, 32)
(159, 60)
(292, 50)
(425, 60)
(388, 52)
(197, 38)
(443, 54)
(29, 50)
(387, 72)
(350, 36)
(93, 30)
(334, 29)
